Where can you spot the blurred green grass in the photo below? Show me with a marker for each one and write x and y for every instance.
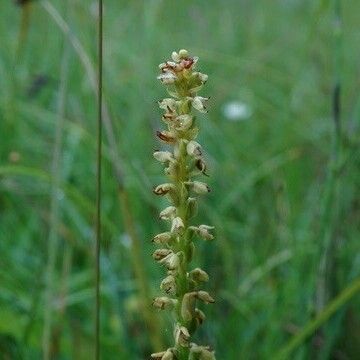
(270, 174)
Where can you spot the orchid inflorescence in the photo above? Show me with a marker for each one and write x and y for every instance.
(182, 285)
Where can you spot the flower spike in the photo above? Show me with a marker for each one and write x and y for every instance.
(182, 163)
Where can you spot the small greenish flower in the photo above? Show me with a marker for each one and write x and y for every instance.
(168, 213)
(163, 189)
(182, 335)
(183, 163)
(177, 225)
(164, 302)
(163, 238)
(198, 187)
(193, 148)
(203, 231)
(163, 156)
(199, 275)
(169, 285)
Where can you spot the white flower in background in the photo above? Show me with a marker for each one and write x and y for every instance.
(125, 240)
(237, 111)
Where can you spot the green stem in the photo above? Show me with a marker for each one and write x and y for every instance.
(182, 176)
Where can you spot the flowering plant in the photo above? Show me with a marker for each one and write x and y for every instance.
(182, 285)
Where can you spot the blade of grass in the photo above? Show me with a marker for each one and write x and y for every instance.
(315, 324)
(150, 317)
(53, 240)
(70, 191)
(331, 191)
(98, 180)
(91, 74)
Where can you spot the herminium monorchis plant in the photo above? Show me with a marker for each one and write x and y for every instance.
(182, 285)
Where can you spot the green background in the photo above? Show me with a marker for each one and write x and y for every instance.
(285, 185)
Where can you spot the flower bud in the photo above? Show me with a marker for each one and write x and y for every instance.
(205, 297)
(175, 56)
(162, 238)
(168, 213)
(169, 285)
(199, 275)
(163, 189)
(199, 102)
(160, 254)
(163, 156)
(183, 54)
(181, 335)
(164, 302)
(177, 226)
(193, 148)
